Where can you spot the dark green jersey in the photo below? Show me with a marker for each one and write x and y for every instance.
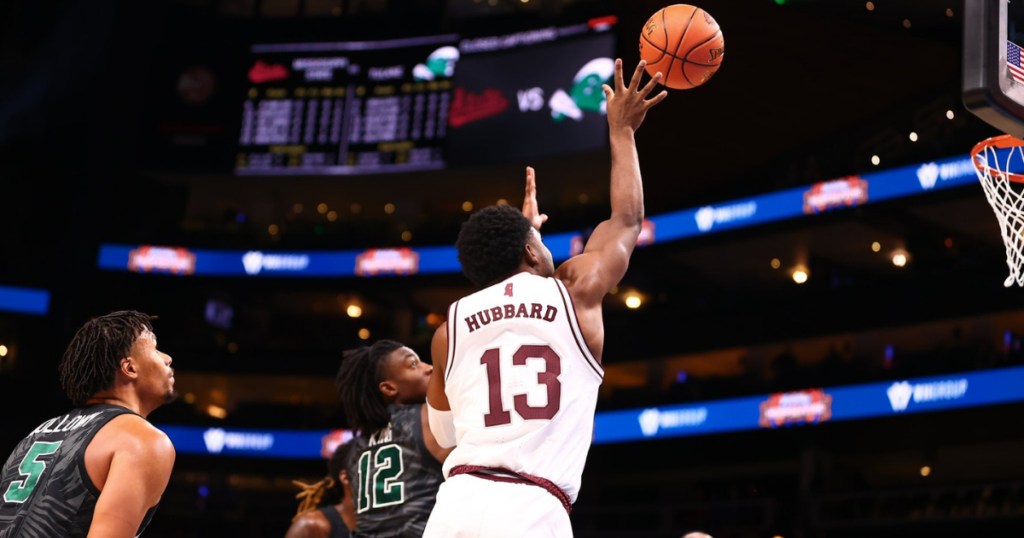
(394, 478)
(46, 490)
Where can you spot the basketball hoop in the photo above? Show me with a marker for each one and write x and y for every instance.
(1007, 200)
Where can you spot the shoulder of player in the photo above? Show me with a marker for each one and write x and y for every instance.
(134, 434)
(409, 411)
(439, 346)
(578, 277)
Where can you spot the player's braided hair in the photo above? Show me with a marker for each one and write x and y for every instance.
(491, 244)
(327, 492)
(92, 359)
(358, 383)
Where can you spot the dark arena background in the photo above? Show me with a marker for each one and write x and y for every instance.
(813, 341)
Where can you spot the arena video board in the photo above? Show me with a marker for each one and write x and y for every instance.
(768, 411)
(531, 94)
(421, 103)
(346, 108)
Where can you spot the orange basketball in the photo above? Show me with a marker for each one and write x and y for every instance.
(684, 43)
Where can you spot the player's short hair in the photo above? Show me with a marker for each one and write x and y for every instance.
(93, 358)
(335, 493)
(358, 382)
(491, 243)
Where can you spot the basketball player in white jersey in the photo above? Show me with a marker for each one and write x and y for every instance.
(517, 365)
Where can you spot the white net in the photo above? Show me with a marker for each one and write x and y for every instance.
(996, 160)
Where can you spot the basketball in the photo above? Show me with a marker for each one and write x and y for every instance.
(684, 43)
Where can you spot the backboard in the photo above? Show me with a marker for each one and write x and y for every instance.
(993, 68)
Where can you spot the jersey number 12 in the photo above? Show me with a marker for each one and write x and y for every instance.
(382, 487)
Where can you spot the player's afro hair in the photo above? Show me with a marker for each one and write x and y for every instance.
(491, 244)
(93, 358)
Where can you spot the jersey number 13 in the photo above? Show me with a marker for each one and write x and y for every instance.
(498, 415)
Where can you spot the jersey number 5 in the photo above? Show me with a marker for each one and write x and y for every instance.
(20, 490)
(549, 378)
(383, 488)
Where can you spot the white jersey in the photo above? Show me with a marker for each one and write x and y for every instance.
(521, 381)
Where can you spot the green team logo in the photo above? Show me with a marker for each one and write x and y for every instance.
(586, 94)
(440, 64)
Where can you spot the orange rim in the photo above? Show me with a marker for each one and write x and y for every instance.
(996, 142)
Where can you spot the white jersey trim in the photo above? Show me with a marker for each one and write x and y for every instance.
(576, 329)
(453, 321)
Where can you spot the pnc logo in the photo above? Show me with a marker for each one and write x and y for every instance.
(649, 422)
(928, 175)
(214, 440)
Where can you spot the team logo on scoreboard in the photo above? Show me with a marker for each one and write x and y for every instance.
(586, 94)
(388, 261)
(440, 64)
(173, 260)
(802, 407)
(846, 192)
(263, 72)
(468, 107)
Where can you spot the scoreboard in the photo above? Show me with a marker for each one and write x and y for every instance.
(424, 103)
(347, 108)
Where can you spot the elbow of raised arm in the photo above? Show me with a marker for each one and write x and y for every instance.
(632, 219)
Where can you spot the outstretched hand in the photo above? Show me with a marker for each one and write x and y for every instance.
(530, 209)
(628, 105)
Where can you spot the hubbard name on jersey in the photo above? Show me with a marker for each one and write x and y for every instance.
(521, 382)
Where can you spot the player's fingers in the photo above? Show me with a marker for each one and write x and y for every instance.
(655, 100)
(634, 83)
(543, 218)
(531, 179)
(619, 85)
(647, 89)
(608, 93)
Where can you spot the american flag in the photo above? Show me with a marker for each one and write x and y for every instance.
(1013, 54)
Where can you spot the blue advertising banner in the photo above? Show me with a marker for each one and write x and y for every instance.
(813, 199)
(804, 407)
(255, 443)
(24, 300)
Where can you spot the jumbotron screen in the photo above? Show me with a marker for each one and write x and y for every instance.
(347, 108)
(539, 97)
(424, 103)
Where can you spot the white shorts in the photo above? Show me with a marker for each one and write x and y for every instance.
(472, 507)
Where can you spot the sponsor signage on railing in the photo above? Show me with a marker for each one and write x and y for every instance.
(817, 198)
(255, 443)
(24, 300)
(789, 409)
